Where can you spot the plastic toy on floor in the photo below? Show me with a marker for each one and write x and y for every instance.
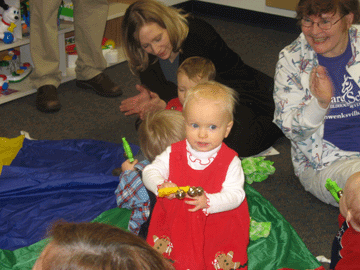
(257, 169)
(7, 24)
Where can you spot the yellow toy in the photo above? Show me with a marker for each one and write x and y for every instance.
(180, 192)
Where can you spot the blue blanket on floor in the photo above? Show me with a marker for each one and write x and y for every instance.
(51, 180)
(71, 180)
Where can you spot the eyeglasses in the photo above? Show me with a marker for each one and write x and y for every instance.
(324, 24)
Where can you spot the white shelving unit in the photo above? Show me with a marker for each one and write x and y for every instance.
(24, 87)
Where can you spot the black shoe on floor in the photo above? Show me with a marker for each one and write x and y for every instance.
(102, 85)
(47, 99)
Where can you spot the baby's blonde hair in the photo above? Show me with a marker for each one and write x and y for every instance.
(159, 130)
(214, 91)
(198, 67)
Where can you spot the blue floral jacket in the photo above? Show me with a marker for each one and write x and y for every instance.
(297, 111)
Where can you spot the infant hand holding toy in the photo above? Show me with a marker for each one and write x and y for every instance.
(195, 194)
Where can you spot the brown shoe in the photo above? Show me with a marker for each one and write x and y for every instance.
(102, 85)
(47, 99)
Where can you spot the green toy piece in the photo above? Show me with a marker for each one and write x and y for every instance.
(257, 169)
(334, 189)
(259, 229)
(127, 150)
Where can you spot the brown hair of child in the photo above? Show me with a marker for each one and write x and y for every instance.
(197, 67)
(159, 130)
(97, 246)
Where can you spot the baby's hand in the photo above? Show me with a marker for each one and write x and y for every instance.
(127, 165)
(200, 202)
(167, 185)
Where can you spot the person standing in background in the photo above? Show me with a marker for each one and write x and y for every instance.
(89, 23)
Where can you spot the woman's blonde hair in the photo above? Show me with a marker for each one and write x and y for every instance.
(198, 66)
(159, 130)
(97, 246)
(150, 11)
(214, 91)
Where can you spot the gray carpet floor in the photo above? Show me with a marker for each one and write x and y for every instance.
(85, 115)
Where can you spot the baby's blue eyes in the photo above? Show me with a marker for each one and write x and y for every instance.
(212, 127)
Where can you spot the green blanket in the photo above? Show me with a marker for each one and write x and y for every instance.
(282, 248)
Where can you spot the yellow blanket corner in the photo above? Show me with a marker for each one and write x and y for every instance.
(9, 148)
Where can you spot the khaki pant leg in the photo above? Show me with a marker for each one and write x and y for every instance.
(89, 22)
(44, 44)
(314, 181)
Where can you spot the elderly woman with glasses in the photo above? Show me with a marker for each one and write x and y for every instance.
(317, 95)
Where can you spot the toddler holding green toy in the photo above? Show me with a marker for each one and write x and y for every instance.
(158, 130)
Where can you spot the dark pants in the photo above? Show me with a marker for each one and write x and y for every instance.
(253, 130)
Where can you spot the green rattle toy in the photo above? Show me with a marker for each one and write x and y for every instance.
(334, 189)
(127, 150)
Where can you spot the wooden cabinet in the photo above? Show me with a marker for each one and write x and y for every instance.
(283, 4)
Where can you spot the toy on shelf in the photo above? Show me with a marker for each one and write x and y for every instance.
(25, 17)
(7, 24)
(110, 53)
(108, 50)
(66, 11)
(107, 44)
(4, 86)
(4, 82)
(12, 67)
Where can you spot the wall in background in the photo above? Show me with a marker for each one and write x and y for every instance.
(255, 5)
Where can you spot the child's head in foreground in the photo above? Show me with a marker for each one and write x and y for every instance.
(159, 130)
(208, 111)
(350, 201)
(97, 246)
(192, 71)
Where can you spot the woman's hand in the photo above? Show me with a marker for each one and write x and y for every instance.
(321, 86)
(200, 202)
(127, 165)
(142, 103)
(154, 104)
(134, 104)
